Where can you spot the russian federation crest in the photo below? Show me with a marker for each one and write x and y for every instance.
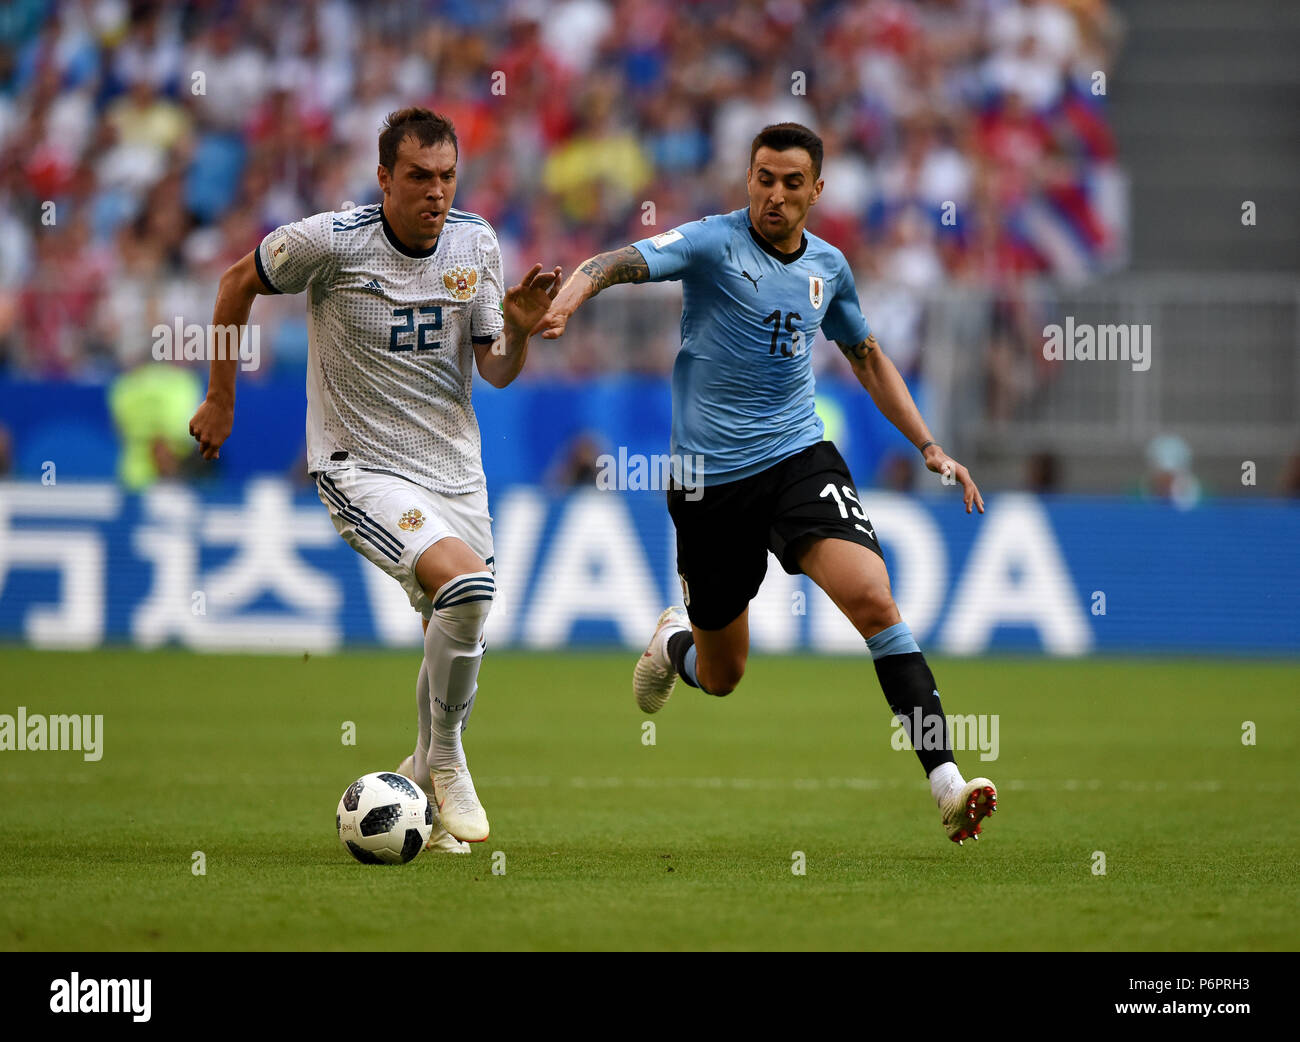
(461, 282)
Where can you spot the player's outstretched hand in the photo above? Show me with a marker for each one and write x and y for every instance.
(526, 303)
(551, 325)
(573, 293)
(941, 463)
(211, 426)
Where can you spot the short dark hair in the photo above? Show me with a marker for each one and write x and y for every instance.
(783, 136)
(428, 128)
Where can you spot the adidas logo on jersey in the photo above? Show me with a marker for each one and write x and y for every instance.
(373, 285)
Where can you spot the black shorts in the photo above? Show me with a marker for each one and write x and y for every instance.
(725, 531)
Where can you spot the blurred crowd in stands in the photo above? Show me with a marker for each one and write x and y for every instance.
(145, 146)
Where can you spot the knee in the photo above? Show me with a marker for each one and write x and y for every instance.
(461, 606)
(872, 608)
(720, 677)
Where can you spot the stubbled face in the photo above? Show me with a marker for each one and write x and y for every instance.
(419, 190)
(782, 188)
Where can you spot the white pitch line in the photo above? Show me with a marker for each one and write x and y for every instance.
(863, 784)
(529, 781)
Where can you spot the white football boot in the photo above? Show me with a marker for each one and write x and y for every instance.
(458, 806)
(965, 808)
(440, 840)
(654, 676)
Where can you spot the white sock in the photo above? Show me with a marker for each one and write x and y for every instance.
(453, 679)
(943, 779)
(453, 650)
(424, 714)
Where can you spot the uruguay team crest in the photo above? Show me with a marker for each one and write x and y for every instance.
(462, 282)
(816, 284)
(411, 520)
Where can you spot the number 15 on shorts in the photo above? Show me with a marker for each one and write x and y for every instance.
(856, 507)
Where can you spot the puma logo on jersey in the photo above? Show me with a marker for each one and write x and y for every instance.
(751, 278)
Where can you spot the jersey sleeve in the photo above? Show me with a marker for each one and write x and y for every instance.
(290, 258)
(844, 322)
(487, 318)
(673, 254)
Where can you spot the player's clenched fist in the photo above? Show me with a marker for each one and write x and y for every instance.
(211, 426)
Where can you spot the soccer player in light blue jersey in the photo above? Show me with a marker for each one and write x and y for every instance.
(755, 290)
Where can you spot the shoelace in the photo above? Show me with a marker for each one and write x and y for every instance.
(461, 792)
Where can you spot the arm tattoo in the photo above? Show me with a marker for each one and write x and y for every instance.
(859, 352)
(609, 269)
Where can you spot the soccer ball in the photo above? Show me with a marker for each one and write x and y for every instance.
(384, 819)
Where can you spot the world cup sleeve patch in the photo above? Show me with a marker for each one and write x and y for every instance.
(461, 282)
(665, 238)
(279, 250)
(816, 285)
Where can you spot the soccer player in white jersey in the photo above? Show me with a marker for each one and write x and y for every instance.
(405, 297)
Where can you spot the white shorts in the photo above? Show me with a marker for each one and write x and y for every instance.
(391, 521)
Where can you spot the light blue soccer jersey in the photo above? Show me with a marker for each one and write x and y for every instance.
(743, 380)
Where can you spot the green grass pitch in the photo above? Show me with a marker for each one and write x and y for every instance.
(687, 843)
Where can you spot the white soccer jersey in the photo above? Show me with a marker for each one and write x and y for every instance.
(392, 329)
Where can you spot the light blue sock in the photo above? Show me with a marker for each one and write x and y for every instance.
(894, 640)
(688, 666)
